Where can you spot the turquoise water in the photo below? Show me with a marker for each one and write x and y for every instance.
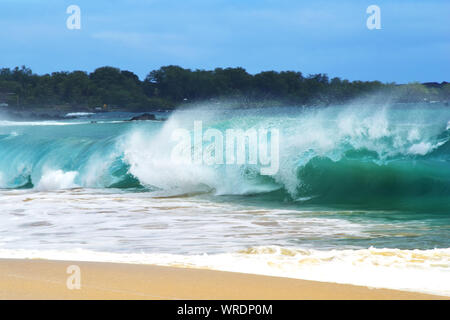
(354, 183)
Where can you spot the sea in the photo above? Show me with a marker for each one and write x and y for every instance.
(360, 193)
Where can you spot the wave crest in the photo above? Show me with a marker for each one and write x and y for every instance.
(388, 156)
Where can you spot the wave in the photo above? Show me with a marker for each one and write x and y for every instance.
(397, 184)
(6, 123)
(79, 114)
(336, 156)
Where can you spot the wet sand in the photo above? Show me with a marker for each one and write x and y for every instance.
(45, 279)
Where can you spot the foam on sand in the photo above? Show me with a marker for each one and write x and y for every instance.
(426, 271)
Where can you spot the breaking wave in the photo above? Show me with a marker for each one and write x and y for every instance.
(396, 157)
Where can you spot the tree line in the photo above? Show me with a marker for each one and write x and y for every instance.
(172, 86)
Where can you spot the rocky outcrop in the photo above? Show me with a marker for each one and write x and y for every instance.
(145, 116)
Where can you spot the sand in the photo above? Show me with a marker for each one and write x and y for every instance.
(44, 279)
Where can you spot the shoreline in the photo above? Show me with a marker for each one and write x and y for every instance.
(52, 113)
(46, 279)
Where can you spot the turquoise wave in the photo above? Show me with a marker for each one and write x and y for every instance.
(336, 157)
(403, 183)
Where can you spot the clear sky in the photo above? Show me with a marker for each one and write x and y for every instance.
(317, 36)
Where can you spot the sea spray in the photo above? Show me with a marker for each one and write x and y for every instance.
(391, 157)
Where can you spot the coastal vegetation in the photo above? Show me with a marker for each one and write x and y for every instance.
(109, 88)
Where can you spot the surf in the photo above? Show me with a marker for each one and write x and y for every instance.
(390, 156)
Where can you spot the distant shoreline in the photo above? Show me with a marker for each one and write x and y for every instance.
(172, 87)
(40, 113)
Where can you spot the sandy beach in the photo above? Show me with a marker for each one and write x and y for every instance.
(45, 279)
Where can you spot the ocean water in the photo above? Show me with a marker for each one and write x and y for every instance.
(361, 194)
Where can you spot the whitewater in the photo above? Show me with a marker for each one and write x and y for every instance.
(361, 195)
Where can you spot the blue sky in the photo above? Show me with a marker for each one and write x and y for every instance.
(308, 36)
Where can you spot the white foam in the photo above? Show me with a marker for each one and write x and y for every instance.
(426, 271)
(178, 231)
(79, 114)
(152, 162)
(424, 148)
(56, 180)
(38, 123)
(421, 148)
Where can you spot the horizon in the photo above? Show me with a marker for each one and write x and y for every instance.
(412, 44)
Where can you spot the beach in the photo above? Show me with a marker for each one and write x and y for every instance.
(46, 279)
(228, 150)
